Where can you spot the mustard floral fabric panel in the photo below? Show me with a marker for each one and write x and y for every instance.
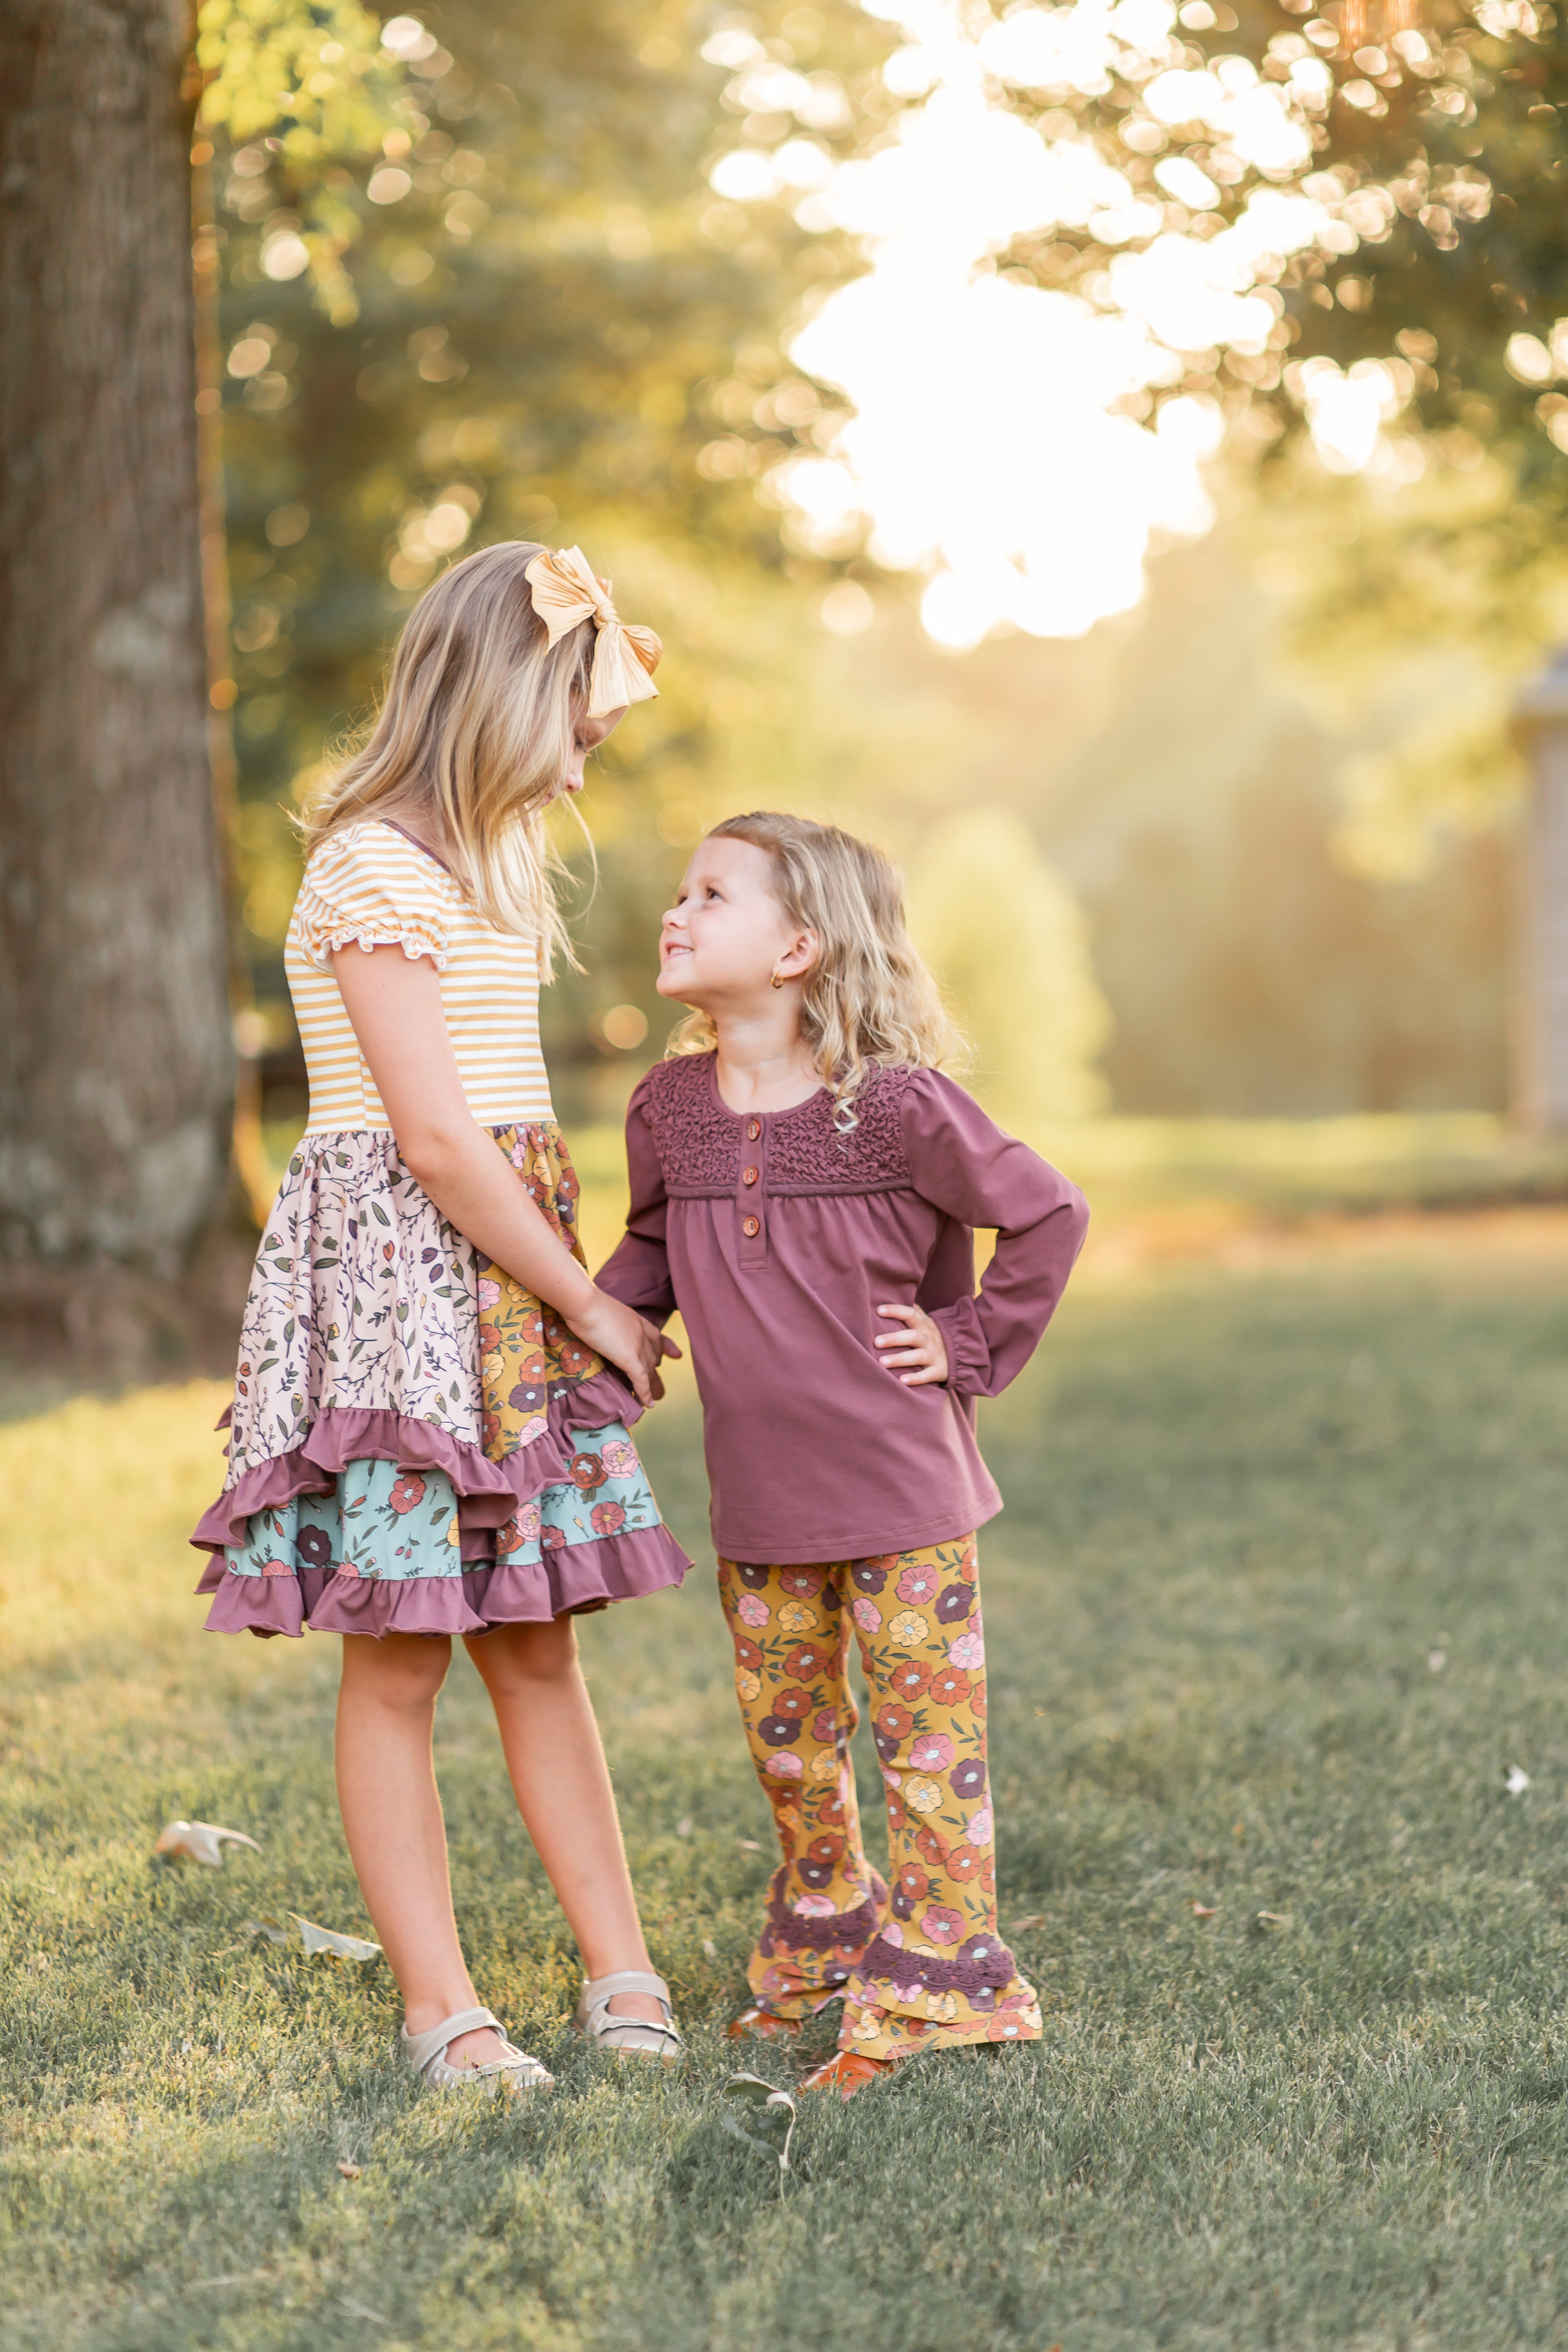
(917, 1960)
(526, 1349)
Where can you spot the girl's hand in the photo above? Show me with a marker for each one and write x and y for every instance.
(921, 1346)
(625, 1339)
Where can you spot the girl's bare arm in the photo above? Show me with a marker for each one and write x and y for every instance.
(396, 1007)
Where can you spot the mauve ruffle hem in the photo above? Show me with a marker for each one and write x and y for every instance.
(573, 1578)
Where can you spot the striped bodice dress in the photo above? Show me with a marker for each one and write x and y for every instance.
(417, 1443)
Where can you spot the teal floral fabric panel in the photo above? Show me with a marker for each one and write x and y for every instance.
(396, 1523)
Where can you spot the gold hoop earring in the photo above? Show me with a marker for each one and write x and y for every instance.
(778, 980)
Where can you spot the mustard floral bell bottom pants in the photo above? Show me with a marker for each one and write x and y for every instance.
(922, 1965)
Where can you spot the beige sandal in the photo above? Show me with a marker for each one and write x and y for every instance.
(426, 2054)
(628, 2037)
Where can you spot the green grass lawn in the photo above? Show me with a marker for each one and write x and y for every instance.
(1278, 1599)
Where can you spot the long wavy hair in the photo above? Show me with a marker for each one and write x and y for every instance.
(475, 730)
(868, 999)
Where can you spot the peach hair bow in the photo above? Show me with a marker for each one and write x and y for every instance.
(566, 591)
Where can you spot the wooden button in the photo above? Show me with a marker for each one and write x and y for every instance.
(751, 1227)
(754, 1129)
(748, 1175)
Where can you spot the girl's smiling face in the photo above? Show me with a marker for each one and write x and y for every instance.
(726, 935)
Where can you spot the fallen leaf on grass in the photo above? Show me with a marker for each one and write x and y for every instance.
(349, 2171)
(342, 1948)
(1436, 1660)
(229, 2278)
(711, 1947)
(200, 1842)
(1515, 1782)
(363, 2311)
(769, 2108)
(748, 1845)
(1034, 1919)
(683, 1826)
(1274, 1918)
(1206, 1910)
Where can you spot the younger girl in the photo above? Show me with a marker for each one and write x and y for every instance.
(429, 1430)
(802, 1184)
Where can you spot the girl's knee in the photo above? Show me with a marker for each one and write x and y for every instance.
(403, 1671)
(513, 1657)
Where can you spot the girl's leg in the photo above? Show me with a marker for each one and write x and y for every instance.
(939, 1971)
(791, 1636)
(564, 1793)
(392, 1817)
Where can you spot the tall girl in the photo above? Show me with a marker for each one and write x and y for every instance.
(429, 1433)
(804, 1187)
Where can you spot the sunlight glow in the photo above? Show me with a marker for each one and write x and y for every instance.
(1020, 448)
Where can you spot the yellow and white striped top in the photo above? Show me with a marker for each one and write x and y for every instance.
(371, 884)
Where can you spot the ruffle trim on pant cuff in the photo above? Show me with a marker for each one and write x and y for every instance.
(577, 1578)
(489, 1493)
(847, 1931)
(980, 1969)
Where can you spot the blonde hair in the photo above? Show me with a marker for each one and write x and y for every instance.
(475, 730)
(868, 999)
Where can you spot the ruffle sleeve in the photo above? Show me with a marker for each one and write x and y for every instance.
(370, 888)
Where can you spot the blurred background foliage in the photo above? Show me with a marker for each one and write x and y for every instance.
(1437, 146)
(1414, 594)
(1239, 853)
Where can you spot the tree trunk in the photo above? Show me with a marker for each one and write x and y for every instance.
(115, 1056)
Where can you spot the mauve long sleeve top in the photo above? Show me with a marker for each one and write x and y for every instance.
(777, 1239)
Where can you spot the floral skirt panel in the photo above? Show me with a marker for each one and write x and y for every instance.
(924, 1965)
(417, 1443)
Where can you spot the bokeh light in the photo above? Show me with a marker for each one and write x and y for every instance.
(1020, 448)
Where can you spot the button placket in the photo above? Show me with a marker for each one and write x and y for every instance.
(751, 1194)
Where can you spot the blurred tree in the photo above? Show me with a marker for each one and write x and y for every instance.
(1421, 592)
(1254, 966)
(1431, 140)
(1436, 151)
(1411, 609)
(318, 78)
(1446, 144)
(1011, 948)
(115, 1061)
(114, 1052)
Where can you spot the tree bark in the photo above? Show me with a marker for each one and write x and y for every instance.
(116, 1066)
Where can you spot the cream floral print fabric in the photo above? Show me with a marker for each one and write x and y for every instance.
(366, 1299)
